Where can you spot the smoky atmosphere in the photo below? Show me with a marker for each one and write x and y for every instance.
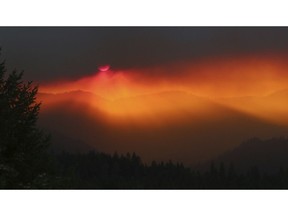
(144, 107)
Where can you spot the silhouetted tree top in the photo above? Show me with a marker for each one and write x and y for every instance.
(22, 144)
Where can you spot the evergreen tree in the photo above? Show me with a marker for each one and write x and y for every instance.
(23, 146)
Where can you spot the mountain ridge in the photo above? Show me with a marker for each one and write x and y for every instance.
(268, 155)
(193, 137)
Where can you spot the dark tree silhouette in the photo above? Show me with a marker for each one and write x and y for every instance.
(23, 157)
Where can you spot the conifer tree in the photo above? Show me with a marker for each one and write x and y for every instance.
(23, 145)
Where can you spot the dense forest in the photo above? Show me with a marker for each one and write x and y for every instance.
(99, 171)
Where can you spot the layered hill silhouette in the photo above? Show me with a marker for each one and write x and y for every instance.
(269, 156)
(273, 107)
(198, 130)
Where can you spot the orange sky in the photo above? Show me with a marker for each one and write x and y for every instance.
(238, 76)
(213, 79)
(223, 100)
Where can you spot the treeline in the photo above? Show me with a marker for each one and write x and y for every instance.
(103, 171)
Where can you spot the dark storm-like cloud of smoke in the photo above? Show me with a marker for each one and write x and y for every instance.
(53, 53)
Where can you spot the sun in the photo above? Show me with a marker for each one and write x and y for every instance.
(104, 68)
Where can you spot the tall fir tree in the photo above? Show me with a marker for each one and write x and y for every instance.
(23, 146)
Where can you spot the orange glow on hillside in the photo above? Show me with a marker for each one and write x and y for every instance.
(184, 89)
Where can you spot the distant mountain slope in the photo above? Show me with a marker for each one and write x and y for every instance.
(267, 155)
(49, 99)
(279, 94)
(273, 107)
(197, 130)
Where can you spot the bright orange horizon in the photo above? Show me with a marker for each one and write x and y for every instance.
(153, 94)
(246, 96)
